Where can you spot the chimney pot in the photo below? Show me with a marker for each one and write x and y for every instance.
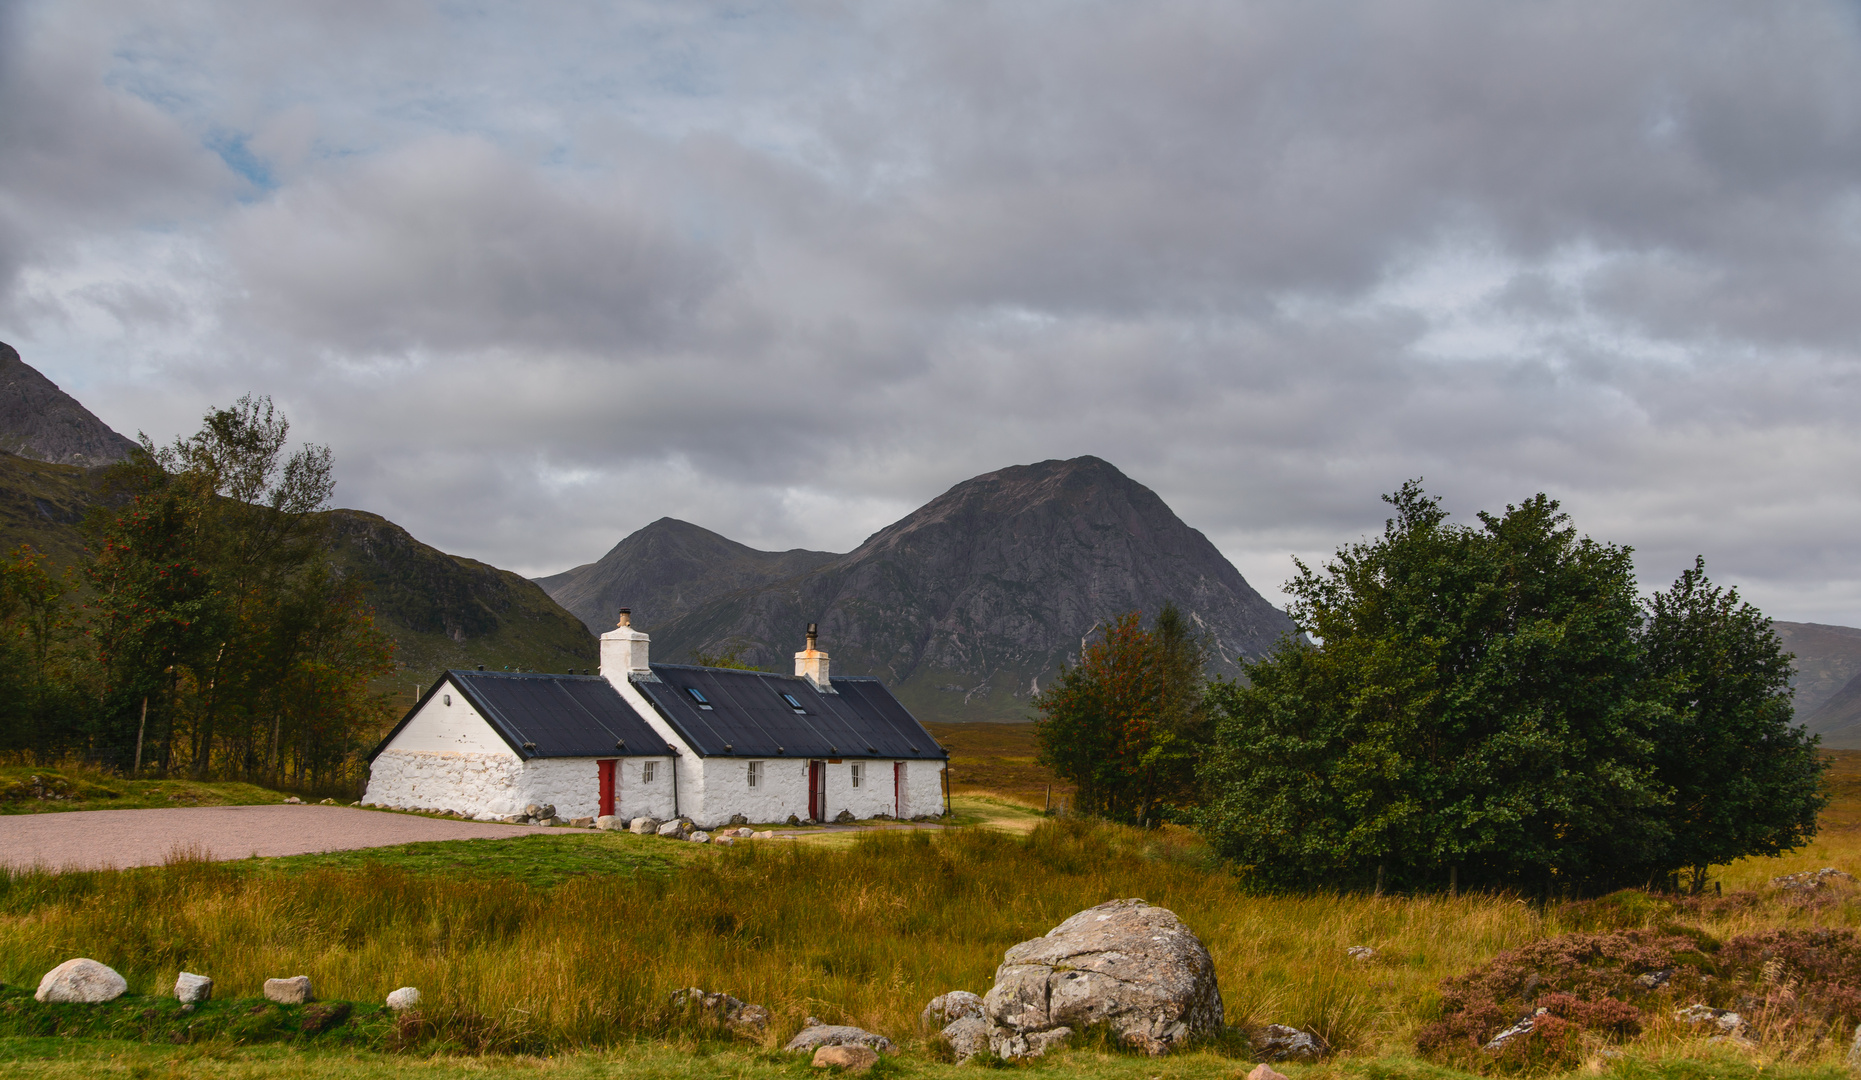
(626, 617)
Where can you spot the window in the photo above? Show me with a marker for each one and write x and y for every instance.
(755, 774)
(697, 695)
(858, 770)
(647, 769)
(794, 704)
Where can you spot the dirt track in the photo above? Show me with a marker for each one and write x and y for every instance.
(90, 839)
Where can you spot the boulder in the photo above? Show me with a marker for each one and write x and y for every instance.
(766, 834)
(403, 999)
(817, 1035)
(191, 989)
(643, 826)
(737, 819)
(946, 1008)
(1263, 1071)
(1854, 1052)
(850, 1058)
(540, 810)
(293, 801)
(292, 991)
(82, 980)
(609, 823)
(581, 822)
(793, 820)
(844, 817)
(700, 837)
(743, 833)
(1277, 1042)
(1125, 963)
(967, 1036)
(677, 828)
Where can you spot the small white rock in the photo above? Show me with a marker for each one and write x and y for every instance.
(744, 833)
(82, 980)
(403, 999)
(190, 988)
(292, 991)
(700, 837)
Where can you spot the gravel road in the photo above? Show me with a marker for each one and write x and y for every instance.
(90, 839)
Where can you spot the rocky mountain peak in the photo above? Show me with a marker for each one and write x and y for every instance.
(42, 422)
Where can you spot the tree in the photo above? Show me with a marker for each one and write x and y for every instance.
(1744, 781)
(1126, 724)
(1469, 715)
(215, 603)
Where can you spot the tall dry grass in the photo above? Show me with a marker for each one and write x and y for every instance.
(863, 934)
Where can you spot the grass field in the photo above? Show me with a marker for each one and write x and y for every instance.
(553, 955)
(28, 789)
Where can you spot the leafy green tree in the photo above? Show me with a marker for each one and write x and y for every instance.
(1469, 716)
(43, 700)
(1744, 780)
(1127, 723)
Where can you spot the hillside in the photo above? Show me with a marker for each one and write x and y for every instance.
(42, 422)
(448, 611)
(41, 504)
(1827, 658)
(967, 605)
(667, 570)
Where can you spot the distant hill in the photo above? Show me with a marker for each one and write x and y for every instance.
(1827, 657)
(968, 606)
(668, 569)
(447, 611)
(41, 504)
(42, 422)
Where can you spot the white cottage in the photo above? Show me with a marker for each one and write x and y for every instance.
(662, 740)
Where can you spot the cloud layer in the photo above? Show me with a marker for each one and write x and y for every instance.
(788, 271)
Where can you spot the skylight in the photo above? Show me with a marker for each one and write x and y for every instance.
(697, 695)
(794, 704)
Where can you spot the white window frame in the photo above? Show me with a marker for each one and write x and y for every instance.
(859, 770)
(648, 771)
(755, 774)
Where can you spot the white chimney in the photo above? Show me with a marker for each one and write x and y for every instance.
(811, 664)
(623, 651)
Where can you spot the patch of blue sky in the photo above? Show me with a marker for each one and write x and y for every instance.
(232, 148)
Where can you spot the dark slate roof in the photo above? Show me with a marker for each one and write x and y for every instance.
(544, 716)
(749, 718)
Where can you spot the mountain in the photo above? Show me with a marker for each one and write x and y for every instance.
(667, 570)
(446, 611)
(968, 605)
(1827, 658)
(42, 422)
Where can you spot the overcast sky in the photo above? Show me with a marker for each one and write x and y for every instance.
(540, 274)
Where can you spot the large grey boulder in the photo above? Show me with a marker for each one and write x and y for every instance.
(83, 981)
(191, 989)
(967, 1036)
(817, 1035)
(292, 991)
(643, 826)
(1125, 963)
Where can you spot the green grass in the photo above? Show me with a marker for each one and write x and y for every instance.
(536, 860)
(95, 789)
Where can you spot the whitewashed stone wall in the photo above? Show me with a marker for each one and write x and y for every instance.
(784, 790)
(573, 786)
(483, 785)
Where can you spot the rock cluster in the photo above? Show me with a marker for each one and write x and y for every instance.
(1811, 880)
(82, 981)
(733, 1013)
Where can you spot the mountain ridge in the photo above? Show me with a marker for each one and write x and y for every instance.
(968, 603)
(42, 422)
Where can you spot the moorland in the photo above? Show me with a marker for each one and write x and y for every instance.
(554, 955)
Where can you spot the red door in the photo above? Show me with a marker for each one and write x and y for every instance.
(817, 790)
(607, 786)
(898, 789)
